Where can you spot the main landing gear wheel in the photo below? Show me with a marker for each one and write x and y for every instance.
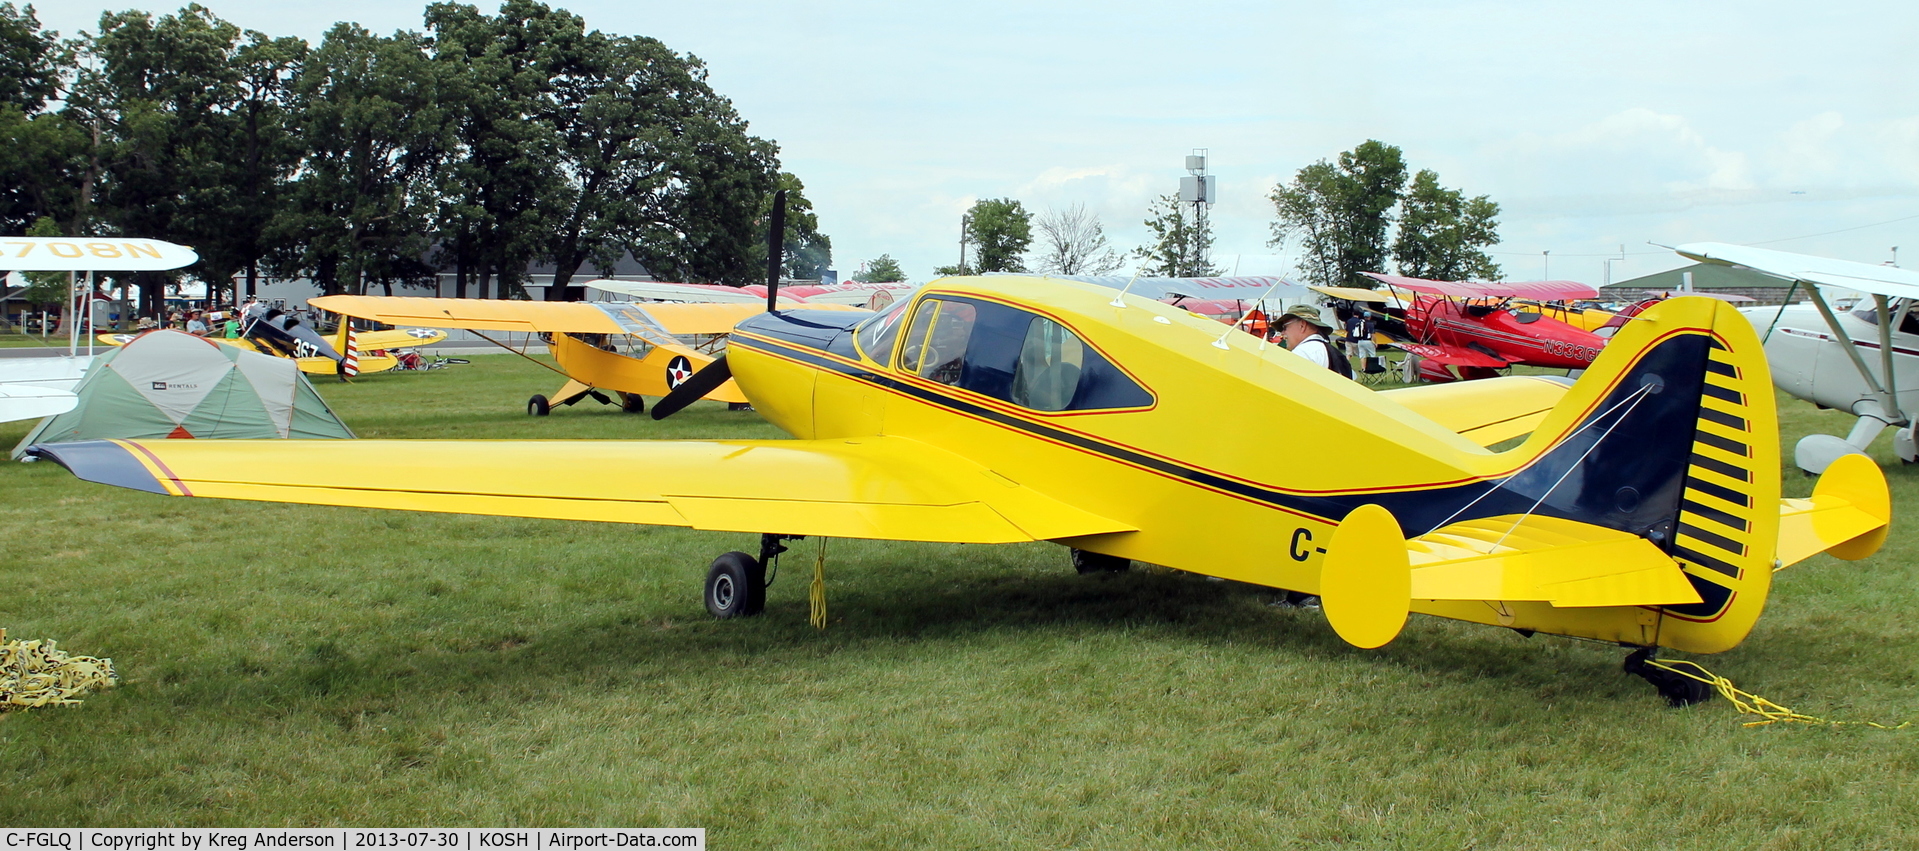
(736, 586)
(1678, 689)
(537, 406)
(739, 406)
(632, 403)
(1090, 562)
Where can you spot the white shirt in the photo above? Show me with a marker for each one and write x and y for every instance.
(1317, 354)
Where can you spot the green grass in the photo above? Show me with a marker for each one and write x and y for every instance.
(35, 341)
(294, 665)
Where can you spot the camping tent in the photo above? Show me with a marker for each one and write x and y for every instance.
(168, 384)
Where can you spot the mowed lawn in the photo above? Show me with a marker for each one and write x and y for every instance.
(295, 665)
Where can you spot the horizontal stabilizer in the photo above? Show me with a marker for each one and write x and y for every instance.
(1562, 562)
(1846, 516)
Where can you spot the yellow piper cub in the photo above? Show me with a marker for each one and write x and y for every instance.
(1643, 509)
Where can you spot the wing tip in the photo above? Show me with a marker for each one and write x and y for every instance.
(104, 462)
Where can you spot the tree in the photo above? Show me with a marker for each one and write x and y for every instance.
(32, 64)
(252, 162)
(1442, 235)
(161, 95)
(503, 187)
(1075, 244)
(808, 253)
(45, 163)
(1179, 248)
(1339, 213)
(369, 112)
(883, 270)
(1000, 230)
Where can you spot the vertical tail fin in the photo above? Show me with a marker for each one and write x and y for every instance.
(1673, 436)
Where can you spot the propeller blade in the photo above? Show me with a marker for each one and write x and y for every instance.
(691, 390)
(775, 250)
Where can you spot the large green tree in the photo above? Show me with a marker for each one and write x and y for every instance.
(45, 157)
(1179, 248)
(1338, 213)
(503, 188)
(1443, 234)
(374, 129)
(162, 93)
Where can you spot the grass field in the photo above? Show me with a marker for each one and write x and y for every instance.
(293, 665)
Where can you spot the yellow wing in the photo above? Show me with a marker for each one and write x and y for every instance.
(1489, 410)
(885, 488)
(478, 314)
(547, 316)
(371, 340)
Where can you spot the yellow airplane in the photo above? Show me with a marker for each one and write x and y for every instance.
(315, 358)
(1641, 507)
(658, 359)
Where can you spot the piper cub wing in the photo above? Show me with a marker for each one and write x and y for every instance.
(667, 342)
(1643, 508)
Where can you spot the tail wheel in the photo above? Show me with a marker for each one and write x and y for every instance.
(736, 586)
(537, 406)
(1090, 562)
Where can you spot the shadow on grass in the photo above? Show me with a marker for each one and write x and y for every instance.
(885, 629)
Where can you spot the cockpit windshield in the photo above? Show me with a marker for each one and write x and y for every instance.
(1905, 317)
(875, 336)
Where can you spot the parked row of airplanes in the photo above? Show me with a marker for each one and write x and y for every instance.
(1639, 504)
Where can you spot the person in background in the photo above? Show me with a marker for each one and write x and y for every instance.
(1359, 341)
(1306, 335)
(197, 324)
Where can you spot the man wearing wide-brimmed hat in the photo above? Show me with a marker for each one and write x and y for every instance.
(1307, 335)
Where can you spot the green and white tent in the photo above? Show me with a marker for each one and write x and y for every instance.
(169, 384)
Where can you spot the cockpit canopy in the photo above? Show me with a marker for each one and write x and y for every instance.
(999, 351)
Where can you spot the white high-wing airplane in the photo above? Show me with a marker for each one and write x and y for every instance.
(41, 387)
(1864, 361)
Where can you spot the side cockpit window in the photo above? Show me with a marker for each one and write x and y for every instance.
(1050, 362)
(935, 347)
(1013, 355)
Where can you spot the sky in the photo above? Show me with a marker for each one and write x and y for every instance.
(1598, 128)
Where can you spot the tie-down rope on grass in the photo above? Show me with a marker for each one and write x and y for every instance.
(37, 673)
(1751, 704)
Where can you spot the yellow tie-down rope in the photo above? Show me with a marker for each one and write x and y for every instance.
(816, 593)
(1751, 704)
(37, 673)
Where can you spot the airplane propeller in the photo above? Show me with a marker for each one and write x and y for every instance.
(714, 374)
(709, 378)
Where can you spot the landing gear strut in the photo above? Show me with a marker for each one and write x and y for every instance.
(1091, 562)
(1677, 689)
(736, 583)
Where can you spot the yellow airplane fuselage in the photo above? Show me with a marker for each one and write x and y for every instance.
(1245, 459)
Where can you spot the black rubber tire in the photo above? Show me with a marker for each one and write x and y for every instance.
(632, 403)
(1091, 562)
(537, 406)
(736, 586)
(739, 406)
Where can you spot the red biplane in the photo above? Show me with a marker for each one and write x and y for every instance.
(1461, 330)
